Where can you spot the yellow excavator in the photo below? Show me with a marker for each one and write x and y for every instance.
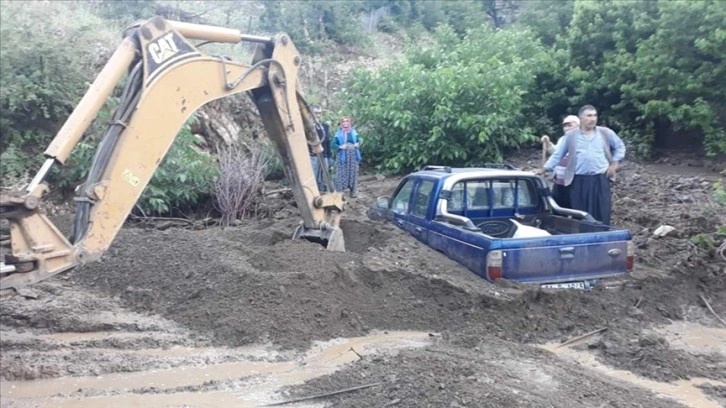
(167, 79)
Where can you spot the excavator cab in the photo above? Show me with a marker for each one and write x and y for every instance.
(168, 79)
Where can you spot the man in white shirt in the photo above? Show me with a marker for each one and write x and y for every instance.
(594, 155)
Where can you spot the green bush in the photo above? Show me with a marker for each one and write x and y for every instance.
(184, 181)
(387, 25)
(460, 101)
(13, 166)
(647, 66)
(719, 194)
(49, 53)
(676, 73)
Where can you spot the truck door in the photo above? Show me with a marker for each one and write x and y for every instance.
(410, 206)
(420, 207)
(401, 204)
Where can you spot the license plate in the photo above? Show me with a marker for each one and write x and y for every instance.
(566, 285)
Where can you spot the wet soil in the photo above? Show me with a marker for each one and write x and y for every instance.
(248, 294)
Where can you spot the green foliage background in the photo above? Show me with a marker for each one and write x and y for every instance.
(49, 53)
(458, 101)
(468, 88)
(649, 67)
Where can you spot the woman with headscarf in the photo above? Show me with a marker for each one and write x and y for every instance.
(346, 144)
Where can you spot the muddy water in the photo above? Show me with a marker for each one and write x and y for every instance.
(694, 337)
(687, 336)
(241, 383)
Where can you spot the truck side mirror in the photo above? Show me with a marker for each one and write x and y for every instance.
(382, 203)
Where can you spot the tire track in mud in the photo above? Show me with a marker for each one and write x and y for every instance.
(159, 363)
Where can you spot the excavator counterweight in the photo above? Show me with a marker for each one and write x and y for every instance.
(167, 79)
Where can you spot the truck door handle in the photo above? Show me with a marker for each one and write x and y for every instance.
(419, 229)
(567, 252)
(399, 222)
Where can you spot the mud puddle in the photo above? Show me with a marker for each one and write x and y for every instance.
(694, 337)
(687, 336)
(245, 383)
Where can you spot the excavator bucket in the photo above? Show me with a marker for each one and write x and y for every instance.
(332, 239)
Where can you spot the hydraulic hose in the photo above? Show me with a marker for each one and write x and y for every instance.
(129, 99)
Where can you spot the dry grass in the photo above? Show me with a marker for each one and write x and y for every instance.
(241, 173)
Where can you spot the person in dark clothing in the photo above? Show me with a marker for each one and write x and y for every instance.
(323, 130)
(594, 153)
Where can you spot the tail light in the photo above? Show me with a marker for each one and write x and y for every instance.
(630, 257)
(494, 265)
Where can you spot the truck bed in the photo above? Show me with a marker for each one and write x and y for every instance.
(576, 250)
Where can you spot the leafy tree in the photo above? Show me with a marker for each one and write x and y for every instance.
(500, 11)
(599, 31)
(647, 66)
(49, 52)
(128, 10)
(464, 15)
(676, 74)
(548, 19)
(457, 102)
(311, 22)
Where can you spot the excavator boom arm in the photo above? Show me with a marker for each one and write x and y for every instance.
(168, 80)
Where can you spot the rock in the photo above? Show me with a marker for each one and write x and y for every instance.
(628, 201)
(663, 231)
(27, 293)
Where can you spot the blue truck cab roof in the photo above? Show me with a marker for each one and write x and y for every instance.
(445, 172)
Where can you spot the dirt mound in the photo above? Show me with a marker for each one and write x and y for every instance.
(253, 284)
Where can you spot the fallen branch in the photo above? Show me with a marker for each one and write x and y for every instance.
(708, 305)
(584, 336)
(329, 394)
(279, 190)
(147, 218)
(393, 402)
(640, 299)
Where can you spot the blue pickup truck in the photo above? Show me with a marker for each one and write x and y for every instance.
(503, 223)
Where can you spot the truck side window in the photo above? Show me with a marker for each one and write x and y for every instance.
(526, 196)
(478, 194)
(504, 193)
(400, 201)
(421, 201)
(456, 203)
